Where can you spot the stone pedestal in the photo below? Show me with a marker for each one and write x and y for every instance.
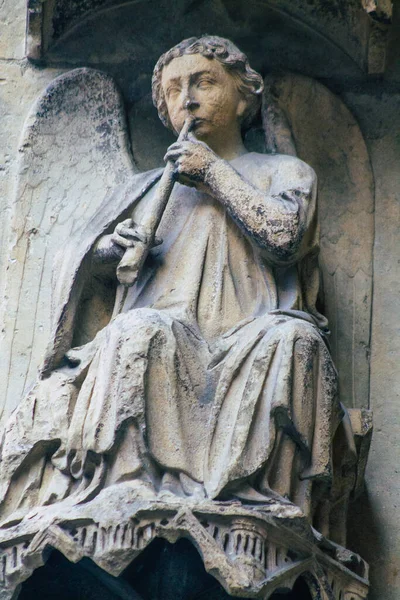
(252, 551)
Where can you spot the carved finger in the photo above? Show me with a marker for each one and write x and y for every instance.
(172, 155)
(169, 157)
(130, 229)
(118, 228)
(174, 146)
(122, 241)
(123, 225)
(132, 233)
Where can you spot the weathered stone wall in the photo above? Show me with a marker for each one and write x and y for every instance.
(375, 523)
(20, 84)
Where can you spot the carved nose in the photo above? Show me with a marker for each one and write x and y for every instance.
(190, 103)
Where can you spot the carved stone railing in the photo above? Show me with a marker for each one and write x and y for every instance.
(252, 553)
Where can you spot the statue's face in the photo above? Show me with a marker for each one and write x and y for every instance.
(202, 87)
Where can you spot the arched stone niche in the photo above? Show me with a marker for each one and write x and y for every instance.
(351, 33)
(125, 40)
(164, 571)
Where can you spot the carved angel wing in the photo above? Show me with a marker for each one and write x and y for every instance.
(303, 117)
(74, 151)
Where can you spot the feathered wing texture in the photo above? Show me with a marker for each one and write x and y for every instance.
(74, 151)
(303, 117)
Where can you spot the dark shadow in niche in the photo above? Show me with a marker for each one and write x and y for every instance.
(163, 571)
(365, 535)
(62, 580)
(167, 571)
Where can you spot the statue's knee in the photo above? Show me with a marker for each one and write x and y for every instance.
(46, 406)
(306, 347)
(301, 334)
(143, 322)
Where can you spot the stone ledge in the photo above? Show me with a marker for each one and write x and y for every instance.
(251, 551)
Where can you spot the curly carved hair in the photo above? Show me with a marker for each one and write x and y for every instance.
(249, 82)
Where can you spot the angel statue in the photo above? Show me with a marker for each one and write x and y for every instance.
(207, 375)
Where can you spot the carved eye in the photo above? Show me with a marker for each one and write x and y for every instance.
(173, 91)
(205, 83)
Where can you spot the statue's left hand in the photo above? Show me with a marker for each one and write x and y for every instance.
(192, 160)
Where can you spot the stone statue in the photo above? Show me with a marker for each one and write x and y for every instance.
(210, 378)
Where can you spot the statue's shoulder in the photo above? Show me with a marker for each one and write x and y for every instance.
(279, 167)
(282, 162)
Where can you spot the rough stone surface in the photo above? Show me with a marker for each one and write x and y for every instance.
(44, 209)
(20, 86)
(255, 25)
(13, 27)
(220, 387)
(345, 204)
(226, 184)
(375, 528)
(340, 22)
(251, 552)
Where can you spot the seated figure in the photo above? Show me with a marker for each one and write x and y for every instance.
(212, 379)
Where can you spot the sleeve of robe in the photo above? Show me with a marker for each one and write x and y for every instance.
(285, 225)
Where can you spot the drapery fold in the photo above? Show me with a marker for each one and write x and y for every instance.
(216, 368)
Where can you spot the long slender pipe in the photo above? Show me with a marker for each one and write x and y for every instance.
(131, 263)
(133, 260)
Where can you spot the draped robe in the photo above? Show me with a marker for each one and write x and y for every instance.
(216, 370)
